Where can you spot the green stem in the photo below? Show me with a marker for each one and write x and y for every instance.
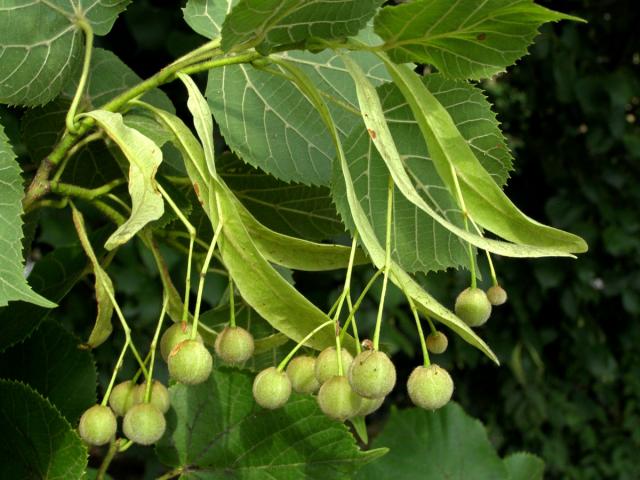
(466, 217)
(125, 446)
(62, 203)
(172, 474)
(359, 300)
(232, 305)
(423, 343)
(127, 332)
(432, 327)
(221, 62)
(113, 449)
(152, 350)
(339, 351)
(285, 360)
(352, 319)
(73, 150)
(387, 264)
(70, 190)
(105, 398)
(135, 378)
(192, 236)
(109, 212)
(70, 119)
(203, 274)
(494, 278)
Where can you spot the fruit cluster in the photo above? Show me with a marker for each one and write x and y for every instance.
(369, 378)
(473, 305)
(189, 362)
(345, 386)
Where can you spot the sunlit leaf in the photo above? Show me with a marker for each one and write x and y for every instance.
(471, 39)
(42, 44)
(265, 24)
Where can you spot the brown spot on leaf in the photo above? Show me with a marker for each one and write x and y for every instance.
(372, 133)
(481, 36)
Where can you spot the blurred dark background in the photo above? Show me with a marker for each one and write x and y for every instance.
(569, 385)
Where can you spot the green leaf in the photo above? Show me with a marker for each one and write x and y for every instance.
(13, 285)
(51, 363)
(206, 16)
(53, 276)
(266, 24)
(260, 285)
(486, 203)
(37, 442)
(42, 44)
(424, 302)
(427, 445)
(144, 159)
(289, 208)
(472, 40)
(524, 466)
(103, 287)
(216, 430)
(271, 125)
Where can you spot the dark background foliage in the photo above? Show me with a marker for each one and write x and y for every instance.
(569, 386)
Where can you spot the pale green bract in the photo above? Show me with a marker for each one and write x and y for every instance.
(424, 302)
(13, 285)
(41, 44)
(144, 158)
(103, 286)
(420, 241)
(290, 208)
(265, 24)
(246, 248)
(456, 164)
(469, 39)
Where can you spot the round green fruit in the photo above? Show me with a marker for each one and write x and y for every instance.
(123, 397)
(301, 372)
(437, 342)
(190, 362)
(370, 405)
(159, 396)
(234, 345)
(327, 363)
(97, 425)
(271, 388)
(172, 336)
(497, 295)
(372, 374)
(144, 424)
(338, 400)
(430, 387)
(473, 307)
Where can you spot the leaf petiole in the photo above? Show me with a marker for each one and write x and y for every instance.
(70, 119)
